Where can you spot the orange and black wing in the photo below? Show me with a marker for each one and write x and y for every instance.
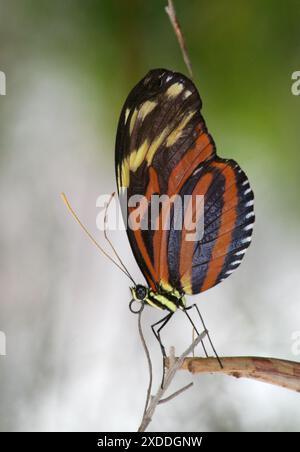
(161, 138)
(227, 219)
(163, 148)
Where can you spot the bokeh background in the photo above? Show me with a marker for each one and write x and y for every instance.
(74, 360)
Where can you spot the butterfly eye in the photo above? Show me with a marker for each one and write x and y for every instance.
(140, 292)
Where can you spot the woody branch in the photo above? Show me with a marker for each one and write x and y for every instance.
(277, 372)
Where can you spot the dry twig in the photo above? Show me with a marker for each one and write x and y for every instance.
(170, 10)
(148, 361)
(278, 372)
(153, 401)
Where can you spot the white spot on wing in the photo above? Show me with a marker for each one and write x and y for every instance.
(246, 240)
(198, 170)
(127, 114)
(187, 93)
(236, 262)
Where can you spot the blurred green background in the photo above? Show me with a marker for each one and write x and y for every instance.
(73, 360)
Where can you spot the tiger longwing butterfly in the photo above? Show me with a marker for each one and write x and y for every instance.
(163, 148)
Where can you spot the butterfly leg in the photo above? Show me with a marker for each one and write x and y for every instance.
(206, 330)
(162, 322)
(191, 321)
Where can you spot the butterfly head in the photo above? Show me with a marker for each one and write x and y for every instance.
(139, 296)
(139, 292)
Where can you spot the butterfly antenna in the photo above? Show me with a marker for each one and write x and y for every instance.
(109, 241)
(74, 215)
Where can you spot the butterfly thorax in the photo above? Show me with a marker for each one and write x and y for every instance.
(163, 298)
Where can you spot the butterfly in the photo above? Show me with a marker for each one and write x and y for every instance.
(163, 148)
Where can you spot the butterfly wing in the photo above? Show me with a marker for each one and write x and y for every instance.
(161, 138)
(226, 218)
(163, 148)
